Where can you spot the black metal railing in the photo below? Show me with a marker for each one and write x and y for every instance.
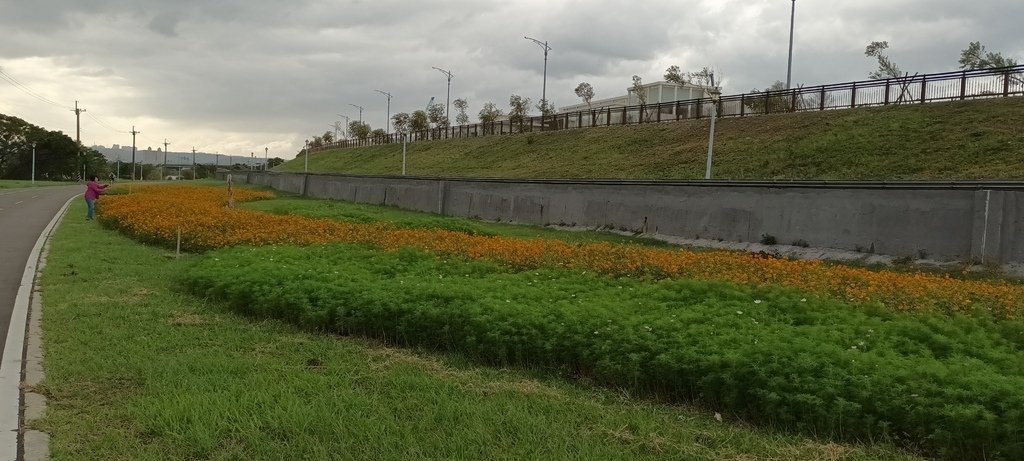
(911, 89)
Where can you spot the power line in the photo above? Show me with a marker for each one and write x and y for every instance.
(103, 124)
(15, 83)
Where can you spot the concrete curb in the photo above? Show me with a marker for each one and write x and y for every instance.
(34, 445)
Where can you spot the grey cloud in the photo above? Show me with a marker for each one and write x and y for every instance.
(260, 66)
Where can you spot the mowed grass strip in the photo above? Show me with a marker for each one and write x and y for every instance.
(136, 371)
(18, 183)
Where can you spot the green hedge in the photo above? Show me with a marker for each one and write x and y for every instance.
(952, 387)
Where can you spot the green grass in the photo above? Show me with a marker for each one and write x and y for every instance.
(982, 139)
(137, 371)
(364, 213)
(947, 384)
(18, 183)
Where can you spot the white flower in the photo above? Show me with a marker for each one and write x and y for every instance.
(757, 301)
(718, 417)
(803, 300)
(739, 312)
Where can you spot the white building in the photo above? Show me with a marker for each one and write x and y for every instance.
(657, 92)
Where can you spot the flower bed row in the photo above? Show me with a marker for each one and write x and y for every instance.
(950, 386)
(156, 214)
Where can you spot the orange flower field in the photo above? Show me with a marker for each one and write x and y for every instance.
(155, 214)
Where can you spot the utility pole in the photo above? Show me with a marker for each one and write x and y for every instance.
(266, 158)
(193, 163)
(133, 150)
(387, 121)
(447, 106)
(78, 134)
(789, 68)
(165, 159)
(544, 88)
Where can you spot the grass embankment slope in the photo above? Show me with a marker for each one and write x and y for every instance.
(981, 139)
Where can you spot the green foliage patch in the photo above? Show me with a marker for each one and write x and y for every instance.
(951, 386)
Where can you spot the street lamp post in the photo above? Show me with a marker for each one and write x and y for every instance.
(544, 88)
(447, 98)
(360, 112)
(715, 92)
(387, 121)
(33, 164)
(306, 154)
(266, 158)
(347, 122)
(789, 67)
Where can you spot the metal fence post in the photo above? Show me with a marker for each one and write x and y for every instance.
(821, 101)
(963, 85)
(924, 84)
(886, 92)
(853, 95)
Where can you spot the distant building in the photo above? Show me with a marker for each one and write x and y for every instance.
(657, 92)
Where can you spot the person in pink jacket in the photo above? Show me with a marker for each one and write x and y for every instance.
(92, 193)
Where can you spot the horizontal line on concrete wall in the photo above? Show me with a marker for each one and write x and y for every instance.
(819, 184)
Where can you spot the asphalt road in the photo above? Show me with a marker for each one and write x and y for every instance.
(24, 213)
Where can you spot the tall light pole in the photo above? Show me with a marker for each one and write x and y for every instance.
(387, 121)
(448, 74)
(360, 112)
(544, 88)
(266, 158)
(347, 122)
(715, 93)
(789, 68)
(306, 154)
(33, 163)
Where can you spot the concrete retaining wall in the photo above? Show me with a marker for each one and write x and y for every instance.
(941, 223)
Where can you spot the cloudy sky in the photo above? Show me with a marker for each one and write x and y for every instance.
(235, 76)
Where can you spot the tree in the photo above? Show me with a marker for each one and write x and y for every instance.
(57, 155)
(886, 68)
(519, 108)
(778, 99)
(545, 107)
(586, 92)
(419, 121)
(275, 161)
(703, 77)
(400, 122)
(328, 137)
(379, 133)
(436, 115)
(489, 113)
(461, 105)
(975, 57)
(359, 130)
(638, 88)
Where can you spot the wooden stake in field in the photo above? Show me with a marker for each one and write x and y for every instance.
(231, 193)
(177, 250)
